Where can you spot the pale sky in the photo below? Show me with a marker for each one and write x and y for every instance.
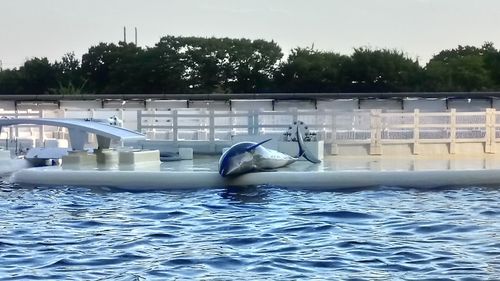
(421, 28)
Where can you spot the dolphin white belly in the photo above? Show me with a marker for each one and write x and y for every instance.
(246, 157)
(271, 159)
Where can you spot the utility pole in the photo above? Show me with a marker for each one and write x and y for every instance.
(1, 65)
(136, 36)
(124, 35)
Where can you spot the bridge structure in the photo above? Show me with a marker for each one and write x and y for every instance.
(79, 129)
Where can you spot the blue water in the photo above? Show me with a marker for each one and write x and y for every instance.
(258, 233)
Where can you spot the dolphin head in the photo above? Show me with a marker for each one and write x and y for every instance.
(238, 159)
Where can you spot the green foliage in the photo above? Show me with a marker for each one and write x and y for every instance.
(10, 82)
(37, 76)
(226, 65)
(309, 71)
(111, 68)
(221, 65)
(465, 68)
(382, 71)
(69, 76)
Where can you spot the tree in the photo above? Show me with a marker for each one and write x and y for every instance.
(382, 71)
(492, 63)
(221, 64)
(250, 65)
(162, 70)
(96, 65)
(69, 75)
(196, 61)
(462, 69)
(310, 71)
(112, 68)
(10, 81)
(37, 76)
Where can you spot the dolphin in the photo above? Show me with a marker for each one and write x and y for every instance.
(246, 157)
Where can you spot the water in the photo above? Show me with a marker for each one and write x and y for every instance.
(255, 233)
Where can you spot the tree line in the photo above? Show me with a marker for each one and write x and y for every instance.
(224, 65)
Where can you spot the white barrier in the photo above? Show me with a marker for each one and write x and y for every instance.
(373, 131)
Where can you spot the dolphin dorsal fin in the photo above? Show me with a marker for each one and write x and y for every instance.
(257, 144)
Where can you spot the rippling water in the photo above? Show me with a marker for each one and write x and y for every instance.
(72, 233)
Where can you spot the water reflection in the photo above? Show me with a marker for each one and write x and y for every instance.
(245, 194)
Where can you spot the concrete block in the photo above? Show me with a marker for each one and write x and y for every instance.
(134, 157)
(78, 159)
(106, 156)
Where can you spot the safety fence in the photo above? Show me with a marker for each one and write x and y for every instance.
(373, 127)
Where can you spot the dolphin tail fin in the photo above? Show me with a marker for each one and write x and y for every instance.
(255, 145)
(303, 151)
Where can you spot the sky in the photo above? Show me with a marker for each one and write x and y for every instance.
(420, 28)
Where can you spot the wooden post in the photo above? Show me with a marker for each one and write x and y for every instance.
(490, 136)
(453, 130)
(493, 130)
(416, 131)
(376, 132)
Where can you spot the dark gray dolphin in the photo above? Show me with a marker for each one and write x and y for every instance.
(246, 157)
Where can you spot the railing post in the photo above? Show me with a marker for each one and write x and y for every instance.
(120, 114)
(376, 132)
(416, 131)
(211, 124)
(41, 114)
(139, 121)
(253, 122)
(295, 115)
(453, 130)
(175, 124)
(250, 122)
(334, 149)
(493, 131)
(490, 136)
(17, 127)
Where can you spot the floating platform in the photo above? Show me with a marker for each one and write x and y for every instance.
(333, 174)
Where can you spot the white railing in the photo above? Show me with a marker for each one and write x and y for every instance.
(222, 125)
(373, 127)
